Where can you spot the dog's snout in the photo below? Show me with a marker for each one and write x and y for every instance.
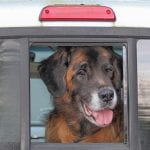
(106, 94)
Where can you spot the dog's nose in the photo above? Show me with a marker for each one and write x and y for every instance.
(106, 94)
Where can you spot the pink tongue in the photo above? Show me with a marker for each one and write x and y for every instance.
(103, 117)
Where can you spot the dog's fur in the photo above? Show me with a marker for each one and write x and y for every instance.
(78, 77)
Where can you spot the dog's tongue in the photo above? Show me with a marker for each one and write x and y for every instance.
(103, 117)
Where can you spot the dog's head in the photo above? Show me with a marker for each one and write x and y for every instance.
(90, 75)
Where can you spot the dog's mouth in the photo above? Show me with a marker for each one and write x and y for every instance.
(100, 118)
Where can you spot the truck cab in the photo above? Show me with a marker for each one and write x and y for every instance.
(30, 34)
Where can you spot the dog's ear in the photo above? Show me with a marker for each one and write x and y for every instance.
(118, 71)
(53, 69)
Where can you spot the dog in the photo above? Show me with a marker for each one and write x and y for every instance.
(85, 83)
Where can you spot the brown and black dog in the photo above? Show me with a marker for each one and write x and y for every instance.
(85, 83)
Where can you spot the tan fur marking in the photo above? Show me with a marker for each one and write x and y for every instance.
(77, 59)
(69, 75)
(58, 131)
(104, 53)
(110, 134)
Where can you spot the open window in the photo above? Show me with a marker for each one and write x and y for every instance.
(112, 67)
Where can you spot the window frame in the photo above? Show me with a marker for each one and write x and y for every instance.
(124, 56)
(87, 42)
(95, 42)
(84, 35)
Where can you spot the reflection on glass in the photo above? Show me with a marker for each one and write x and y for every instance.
(143, 61)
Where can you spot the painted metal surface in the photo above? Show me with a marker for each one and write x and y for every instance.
(26, 13)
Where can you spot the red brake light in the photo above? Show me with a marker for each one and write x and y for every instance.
(77, 12)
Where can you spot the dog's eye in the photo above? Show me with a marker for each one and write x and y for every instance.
(83, 69)
(81, 72)
(108, 68)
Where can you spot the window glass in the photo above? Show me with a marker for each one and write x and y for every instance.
(101, 69)
(10, 93)
(143, 62)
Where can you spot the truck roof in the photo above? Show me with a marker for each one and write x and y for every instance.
(25, 13)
